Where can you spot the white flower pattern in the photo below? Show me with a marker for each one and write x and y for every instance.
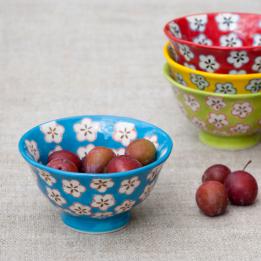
(83, 151)
(215, 103)
(73, 187)
(257, 40)
(225, 88)
(179, 78)
(198, 123)
(101, 185)
(257, 64)
(230, 40)
(175, 30)
(55, 196)
(191, 66)
(147, 191)
(186, 52)
(237, 72)
(56, 148)
(153, 139)
(53, 132)
(103, 202)
(124, 132)
(119, 152)
(238, 59)
(102, 214)
(199, 80)
(242, 110)
(125, 206)
(240, 128)
(80, 210)
(254, 86)
(218, 120)
(154, 173)
(227, 21)
(202, 39)
(129, 185)
(32, 149)
(197, 22)
(191, 102)
(47, 177)
(208, 63)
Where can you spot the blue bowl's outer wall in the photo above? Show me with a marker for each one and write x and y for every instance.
(103, 138)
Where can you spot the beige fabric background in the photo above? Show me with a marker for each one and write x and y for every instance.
(62, 58)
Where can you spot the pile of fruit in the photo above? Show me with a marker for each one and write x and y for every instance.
(100, 159)
(220, 185)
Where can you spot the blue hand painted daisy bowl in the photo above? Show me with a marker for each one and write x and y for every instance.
(93, 203)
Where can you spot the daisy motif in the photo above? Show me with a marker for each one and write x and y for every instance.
(254, 86)
(57, 148)
(240, 128)
(179, 78)
(154, 173)
(32, 149)
(215, 103)
(102, 214)
(257, 40)
(242, 110)
(129, 185)
(103, 202)
(124, 132)
(175, 30)
(198, 123)
(237, 72)
(172, 53)
(101, 185)
(119, 152)
(191, 102)
(186, 52)
(227, 21)
(238, 59)
(191, 66)
(73, 187)
(153, 139)
(147, 191)
(208, 63)
(202, 39)
(55, 196)
(226, 88)
(83, 151)
(86, 130)
(230, 40)
(47, 177)
(80, 209)
(199, 80)
(218, 120)
(125, 206)
(53, 132)
(197, 22)
(257, 64)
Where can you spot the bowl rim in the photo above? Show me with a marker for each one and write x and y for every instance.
(205, 93)
(213, 47)
(207, 74)
(150, 166)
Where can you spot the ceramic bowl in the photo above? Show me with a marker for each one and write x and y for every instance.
(230, 122)
(227, 43)
(93, 203)
(212, 82)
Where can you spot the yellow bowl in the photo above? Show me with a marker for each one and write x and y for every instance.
(211, 82)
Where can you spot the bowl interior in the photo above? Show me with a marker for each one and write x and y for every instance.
(80, 134)
(218, 29)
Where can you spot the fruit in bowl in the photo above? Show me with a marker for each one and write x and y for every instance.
(227, 43)
(225, 121)
(211, 82)
(93, 202)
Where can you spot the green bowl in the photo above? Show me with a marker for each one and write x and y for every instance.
(231, 122)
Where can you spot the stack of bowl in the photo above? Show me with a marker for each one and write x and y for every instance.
(214, 65)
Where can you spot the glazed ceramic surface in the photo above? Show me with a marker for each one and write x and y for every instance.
(225, 121)
(212, 82)
(94, 203)
(228, 43)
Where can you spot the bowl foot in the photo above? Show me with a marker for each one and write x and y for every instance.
(96, 226)
(229, 143)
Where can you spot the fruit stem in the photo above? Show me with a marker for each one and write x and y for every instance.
(249, 162)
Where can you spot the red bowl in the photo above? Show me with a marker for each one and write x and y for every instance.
(217, 42)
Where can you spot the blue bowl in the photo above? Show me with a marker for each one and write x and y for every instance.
(93, 203)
